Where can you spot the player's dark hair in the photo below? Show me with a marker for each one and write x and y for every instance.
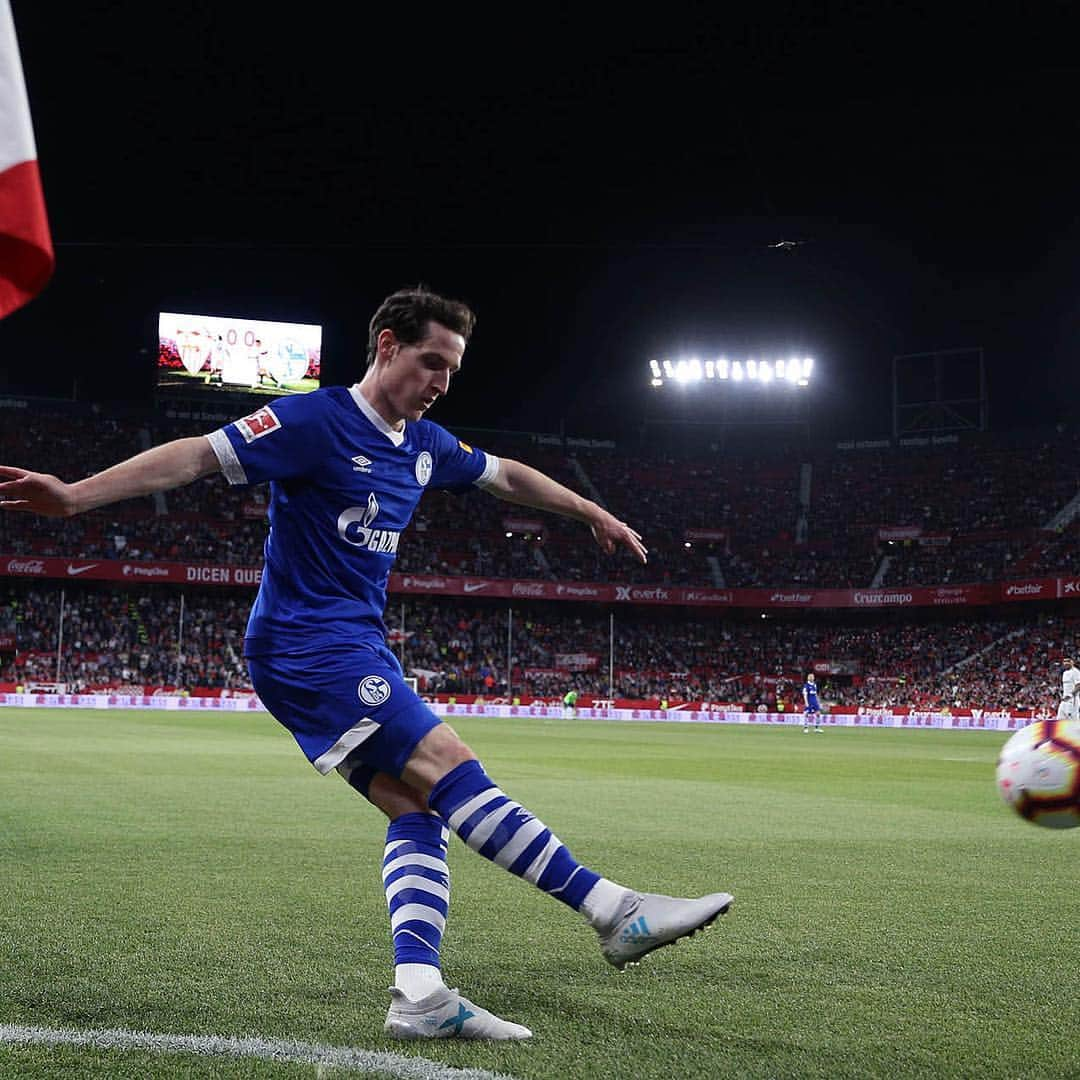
(408, 311)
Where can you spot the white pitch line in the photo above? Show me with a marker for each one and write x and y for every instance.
(337, 1057)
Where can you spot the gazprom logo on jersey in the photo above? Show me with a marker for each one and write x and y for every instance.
(423, 468)
(354, 527)
(373, 689)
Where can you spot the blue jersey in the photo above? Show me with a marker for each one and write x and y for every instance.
(343, 487)
(810, 695)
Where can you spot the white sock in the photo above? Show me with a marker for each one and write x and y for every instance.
(601, 903)
(416, 981)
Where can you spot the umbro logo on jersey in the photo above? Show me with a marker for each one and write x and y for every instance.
(361, 464)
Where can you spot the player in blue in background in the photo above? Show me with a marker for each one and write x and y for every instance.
(347, 467)
(812, 707)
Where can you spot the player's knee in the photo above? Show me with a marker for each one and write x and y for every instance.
(394, 798)
(383, 791)
(437, 753)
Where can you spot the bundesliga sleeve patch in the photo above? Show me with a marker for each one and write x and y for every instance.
(257, 424)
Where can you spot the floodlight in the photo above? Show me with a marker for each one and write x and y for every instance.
(687, 370)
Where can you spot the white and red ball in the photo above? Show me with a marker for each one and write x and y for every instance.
(1038, 773)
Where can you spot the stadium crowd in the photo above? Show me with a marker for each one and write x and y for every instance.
(140, 636)
(815, 518)
(984, 507)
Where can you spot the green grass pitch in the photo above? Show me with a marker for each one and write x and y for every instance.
(191, 874)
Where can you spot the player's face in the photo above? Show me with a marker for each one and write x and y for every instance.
(414, 377)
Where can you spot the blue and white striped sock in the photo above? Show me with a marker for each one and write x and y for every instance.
(417, 883)
(506, 833)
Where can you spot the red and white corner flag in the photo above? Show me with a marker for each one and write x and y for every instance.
(26, 252)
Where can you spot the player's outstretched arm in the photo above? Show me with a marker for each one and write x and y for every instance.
(170, 465)
(526, 486)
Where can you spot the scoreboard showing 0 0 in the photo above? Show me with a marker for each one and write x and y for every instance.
(213, 352)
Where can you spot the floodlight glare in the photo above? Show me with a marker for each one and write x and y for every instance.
(687, 370)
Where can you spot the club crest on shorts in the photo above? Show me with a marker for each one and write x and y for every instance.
(373, 690)
(423, 468)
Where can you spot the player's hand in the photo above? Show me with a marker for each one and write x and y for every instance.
(611, 533)
(36, 493)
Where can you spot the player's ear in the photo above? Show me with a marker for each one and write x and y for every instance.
(386, 343)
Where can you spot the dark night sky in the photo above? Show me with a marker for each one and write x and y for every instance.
(601, 194)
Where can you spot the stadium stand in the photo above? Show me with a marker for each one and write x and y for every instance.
(130, 636)
(973, 509)
(981, 508)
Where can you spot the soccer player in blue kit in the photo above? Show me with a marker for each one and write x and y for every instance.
(347, 467)
(811, 705)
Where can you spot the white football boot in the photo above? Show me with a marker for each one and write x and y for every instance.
(445, 1014)
(648, 921)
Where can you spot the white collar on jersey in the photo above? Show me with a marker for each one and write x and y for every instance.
(365, 406)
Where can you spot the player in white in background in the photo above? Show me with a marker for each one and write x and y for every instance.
(317, 652)
(1070, 690)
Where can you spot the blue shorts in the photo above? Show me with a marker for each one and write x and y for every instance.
(345, 702)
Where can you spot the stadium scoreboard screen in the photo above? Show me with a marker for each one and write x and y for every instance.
(208, 353)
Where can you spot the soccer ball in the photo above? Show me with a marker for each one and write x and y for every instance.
(1038, 773)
